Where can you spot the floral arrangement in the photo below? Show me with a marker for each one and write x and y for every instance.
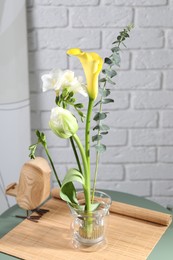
(63, 119)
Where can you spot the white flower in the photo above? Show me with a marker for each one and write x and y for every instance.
(62, 122)
(59, 80)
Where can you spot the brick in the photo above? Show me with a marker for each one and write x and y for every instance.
(129, 155)
(43, 101)
(115, 137)
(42, 16)
(133, 119)
(166, 119)
(149, 171)
(139, 38)
(138, 80)
(140, 188)
(61, 170)
(135, 2)
(65, 39)
(121, 101)
(169, 38)
(151, 137)
(157, 59)
(165, 154)
(35, 120)
(163, 188)
(168, 80)
(32, 41)
(35, 82)
(109, 172)
(55, 141)
(110, 17)
(67, 2)
(158, 17)
(47, 60)
(153, 100)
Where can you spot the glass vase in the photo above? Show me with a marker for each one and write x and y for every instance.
(89, 228)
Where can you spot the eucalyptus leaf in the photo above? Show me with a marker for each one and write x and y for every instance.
(102, 80)
(108, 61)
(100, 116)
(107, 100)
(96, 138)
(100, 148)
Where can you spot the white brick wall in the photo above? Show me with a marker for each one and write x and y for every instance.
(139, 157)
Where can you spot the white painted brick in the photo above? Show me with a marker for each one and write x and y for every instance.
(121, 101)
(43, 101)
(138, 80)
(167, 119)
(133, 119)
(42, 16)
(140, 188)
(114, 137)
(168, 80)
(159, 17)
(35, 119)
(165, 154)
(67, 2)
(65, 39)
(129, 155)
(169, 38)
(135, 2)
(152, 137)
(109, 172)
(156, 59)
(32, 41)
(100, 16)
(61, 170)
(35, 82)
(139, 38)
(163, 188)
(55, 141)
(47, 60)
(149, 171)
(153, 100)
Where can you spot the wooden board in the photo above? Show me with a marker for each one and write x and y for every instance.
(127, 237)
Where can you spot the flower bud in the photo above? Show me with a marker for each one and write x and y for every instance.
(62, 122)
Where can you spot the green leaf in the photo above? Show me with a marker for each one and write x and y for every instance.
(101, 127)
(110, 81)
(100, 148)
(108, 61)
(116, 59)
(104, 133)
(79, 105)
(107, 100)
(68, 191)
(115, 49)
(102, 80)
(100, 116)
(112, 73)
(104, 92)
(96, 138)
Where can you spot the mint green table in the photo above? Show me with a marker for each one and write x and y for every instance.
(162, 251)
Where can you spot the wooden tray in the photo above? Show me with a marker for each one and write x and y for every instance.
(127, 237)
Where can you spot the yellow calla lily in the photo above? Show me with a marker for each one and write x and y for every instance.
(92, 64)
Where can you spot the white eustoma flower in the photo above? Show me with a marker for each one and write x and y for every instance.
(59, 80)
(62, 122)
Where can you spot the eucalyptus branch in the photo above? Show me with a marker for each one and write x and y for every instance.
(109, 72)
